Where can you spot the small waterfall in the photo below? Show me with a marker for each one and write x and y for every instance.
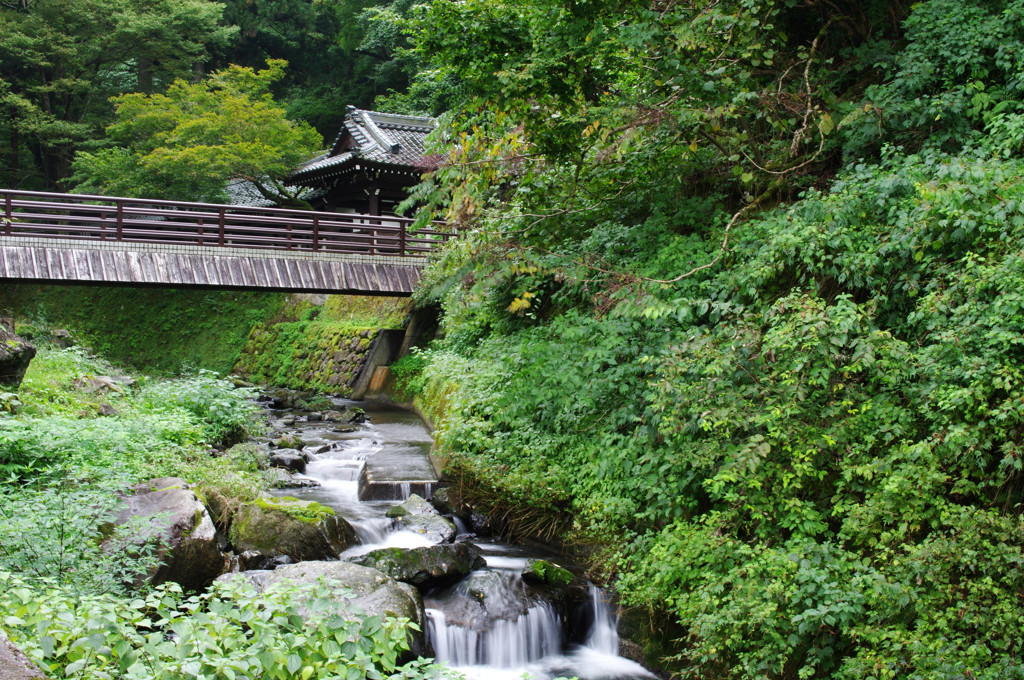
(604, 632)
(393, 491)
(492, 619)
(372, 530)
(507, 644)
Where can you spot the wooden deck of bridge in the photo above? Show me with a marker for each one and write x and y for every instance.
(62, 238)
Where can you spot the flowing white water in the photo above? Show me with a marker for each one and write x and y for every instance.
(506, 644)
(491, 625)
(604, 632)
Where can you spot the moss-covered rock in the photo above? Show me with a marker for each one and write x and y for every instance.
(283, 525)
(547, 573)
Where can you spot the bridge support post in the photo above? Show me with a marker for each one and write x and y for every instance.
(7, 214)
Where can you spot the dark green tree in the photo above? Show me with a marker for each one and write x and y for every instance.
(61, 60)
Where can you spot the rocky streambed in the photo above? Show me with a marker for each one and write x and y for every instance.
(360, 504)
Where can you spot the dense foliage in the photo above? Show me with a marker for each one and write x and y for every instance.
(61, 62)
(232, 631)
(737, 299)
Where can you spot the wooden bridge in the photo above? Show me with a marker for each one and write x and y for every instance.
(71, 238)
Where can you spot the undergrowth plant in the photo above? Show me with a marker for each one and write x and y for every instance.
(232, 631)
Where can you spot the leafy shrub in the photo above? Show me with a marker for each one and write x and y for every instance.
(55, 535)
(232, 631)
(408, 373)
(227, 413)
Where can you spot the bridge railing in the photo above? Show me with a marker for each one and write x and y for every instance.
(104, 218)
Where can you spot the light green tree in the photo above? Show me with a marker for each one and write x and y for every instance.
(193, 140)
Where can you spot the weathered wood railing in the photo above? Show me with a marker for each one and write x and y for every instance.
(78, 216)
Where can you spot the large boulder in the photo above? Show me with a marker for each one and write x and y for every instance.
(419, 516)
(426, 567)
(14, 665)
(281, 525)
(166, 513)
(15, 356)
(361, 589)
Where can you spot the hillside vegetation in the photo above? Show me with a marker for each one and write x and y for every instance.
(739, 300)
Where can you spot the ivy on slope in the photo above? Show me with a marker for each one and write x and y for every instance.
(815, 450)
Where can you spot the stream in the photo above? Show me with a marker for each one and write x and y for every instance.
(490, 625)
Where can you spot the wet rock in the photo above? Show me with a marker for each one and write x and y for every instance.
(480, 524)
(362, 590)
(346, 417)
(314, 417)
(285, 421)
(282, 479)
(15, 356)
(289, 459)
(419, 516)
(168, 513)
(14, 665)
(415, 505)
(543, 572)
(254, 560)
(428, 567)
(483, 598)
(282, 525)
(443, 502)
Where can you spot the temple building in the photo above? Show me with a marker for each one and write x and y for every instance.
(375, 160)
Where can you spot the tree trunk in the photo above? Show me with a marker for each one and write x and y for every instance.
(145, 71)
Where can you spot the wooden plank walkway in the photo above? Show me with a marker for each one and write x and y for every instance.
(66, 238)
(78, 263)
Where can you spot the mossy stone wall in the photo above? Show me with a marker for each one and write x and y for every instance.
(325, 356)
(318, 344)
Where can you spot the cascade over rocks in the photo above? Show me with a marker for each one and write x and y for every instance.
(483, 598)
(172, 516)
(426, 567)
(15, 356)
